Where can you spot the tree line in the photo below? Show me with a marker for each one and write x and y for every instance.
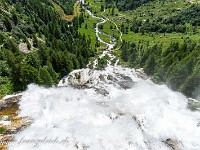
(124, 5)
(66, 5)
(178, 65)
(190, 15)
(56, 48)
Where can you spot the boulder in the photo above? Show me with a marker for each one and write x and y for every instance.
(102, 91)
(127, 78)
(101, 77)
(9, 100)
(5, 138)
(141, 74)
(173, 144)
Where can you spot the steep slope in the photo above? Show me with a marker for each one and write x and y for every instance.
(113, 108)
(162, 37)
(37, 46)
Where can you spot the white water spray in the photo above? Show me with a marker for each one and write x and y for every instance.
(100, 110)
(112, 109)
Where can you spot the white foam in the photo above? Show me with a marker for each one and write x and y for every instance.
(2, 122)
(124, 119)
(139, 118)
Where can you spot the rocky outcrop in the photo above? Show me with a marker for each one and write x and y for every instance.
(4, 139)
(102, 91)
(173, 144)
(10, 123)
(8, 100)
(126, 84)
(193, 104)
(87, 78)
(141, 74)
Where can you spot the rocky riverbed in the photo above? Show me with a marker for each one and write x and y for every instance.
(10, 123)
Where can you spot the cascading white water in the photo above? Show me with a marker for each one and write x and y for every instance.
(111, 109)
(100, 111)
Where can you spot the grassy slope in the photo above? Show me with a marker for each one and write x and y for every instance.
(106, 29)
(63, 15)
(89, 31)
(160, 9)
(165, 9)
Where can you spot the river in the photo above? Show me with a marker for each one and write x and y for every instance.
(109, 109)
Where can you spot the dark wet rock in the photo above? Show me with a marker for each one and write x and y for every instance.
(126, 84)
(109, 77)
(173, 144)
(85, 147)
(117, 115)
(63, 81)
(113, 116)
(127, 78)
(2, 103)
(101, 77)
(140, 122)
(102, 91)
(104, 104)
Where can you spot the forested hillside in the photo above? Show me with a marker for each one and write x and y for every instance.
(160, 36)
(130, 4)
(36, 46)
(178, 65)
(189, 15)
(66, 5)
(175, 61)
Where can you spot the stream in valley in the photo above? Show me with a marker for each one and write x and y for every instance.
(115, 108)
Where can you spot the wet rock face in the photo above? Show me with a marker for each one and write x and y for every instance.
(126, 84)
(126, 78)
(101, 77)
(173, 144)
(87, 78)
(10, 123)
(111, 78)
(102, 91)
(141, 74)
(193, 104)
(10, 100)
(4, 138)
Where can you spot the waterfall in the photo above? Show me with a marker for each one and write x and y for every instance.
(111, 109)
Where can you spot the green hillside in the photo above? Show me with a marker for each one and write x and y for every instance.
(37, 45)
(160, 36)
